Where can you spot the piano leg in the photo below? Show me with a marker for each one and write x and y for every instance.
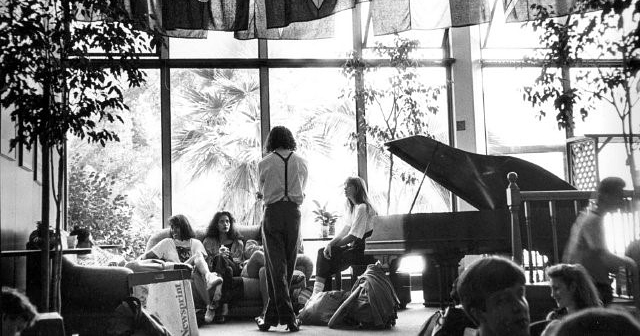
(437, 278)
(401, 282)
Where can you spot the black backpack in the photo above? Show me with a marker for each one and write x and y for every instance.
(449, 322)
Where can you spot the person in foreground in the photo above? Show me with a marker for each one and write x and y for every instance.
(492, 292)
(182, 250)
(598, 322)
(226, 257)
(17, 312)
(587, 245)
(573, 290)
(282, 181)
(347, 247)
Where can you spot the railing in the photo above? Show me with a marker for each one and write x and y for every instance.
(546, 218)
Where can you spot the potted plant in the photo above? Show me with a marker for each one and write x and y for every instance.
(327, 219)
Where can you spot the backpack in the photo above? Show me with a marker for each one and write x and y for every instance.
(132, 320)
(373, 303)
(449, 322)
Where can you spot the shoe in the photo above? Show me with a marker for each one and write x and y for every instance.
(221, 314)
(210, 314)
(212, 280)
(294, 326)
(263, 325)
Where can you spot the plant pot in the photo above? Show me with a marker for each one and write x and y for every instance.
(324, 231)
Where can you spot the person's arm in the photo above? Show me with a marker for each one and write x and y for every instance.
(615, 262)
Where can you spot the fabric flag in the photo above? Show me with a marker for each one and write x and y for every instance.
(280, 13)
(308, 30)
(521, 10)
(391, 16)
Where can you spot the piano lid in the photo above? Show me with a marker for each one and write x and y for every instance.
(481, 180)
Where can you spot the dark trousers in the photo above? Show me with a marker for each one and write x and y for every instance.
(227, 269)
(341, 259)
(280, 229)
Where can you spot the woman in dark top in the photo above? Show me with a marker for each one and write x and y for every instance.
(225, 256)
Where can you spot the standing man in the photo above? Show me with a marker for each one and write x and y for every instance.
(587, 243)
(282, 180)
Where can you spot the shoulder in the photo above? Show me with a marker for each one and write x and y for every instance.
(196, 242)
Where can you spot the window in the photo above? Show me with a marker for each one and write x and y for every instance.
(215, 143)
(115, 190)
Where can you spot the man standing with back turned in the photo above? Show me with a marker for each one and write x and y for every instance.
(282, 180)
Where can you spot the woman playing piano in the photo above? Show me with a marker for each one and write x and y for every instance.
(347, 247)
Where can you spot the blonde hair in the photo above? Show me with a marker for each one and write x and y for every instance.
(361, 196)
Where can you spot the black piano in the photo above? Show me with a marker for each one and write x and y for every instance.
(444, 238)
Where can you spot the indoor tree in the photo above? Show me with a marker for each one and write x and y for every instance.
(53, 89)
(400, 102)
(612, 34)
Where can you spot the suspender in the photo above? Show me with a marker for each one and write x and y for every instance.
(286, 181)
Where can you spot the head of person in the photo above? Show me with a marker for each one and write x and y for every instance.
(84, 236)
(598, 321)
(180, 228)
(572, 287)
(222, 222)
(609, 194)
(280, 137)
(17, 312)
(492, 293)
(355, 189)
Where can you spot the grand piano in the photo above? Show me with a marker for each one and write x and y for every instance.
(445, 238)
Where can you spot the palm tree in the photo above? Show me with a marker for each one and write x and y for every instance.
(221, 133)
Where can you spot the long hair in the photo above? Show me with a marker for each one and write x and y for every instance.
(213, 231)
(361, 196)
(16, 305)
(280, 137)
(181, 222)
(585, 294)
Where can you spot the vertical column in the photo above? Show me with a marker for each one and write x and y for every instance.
(265, 119)
(165, 125)
(467, 111)
(360, 106)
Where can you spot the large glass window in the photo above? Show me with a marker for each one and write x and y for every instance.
(513, 127)
(215, 143)
(405, 179)
(115, 190)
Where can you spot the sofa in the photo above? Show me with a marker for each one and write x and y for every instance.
(250, 305)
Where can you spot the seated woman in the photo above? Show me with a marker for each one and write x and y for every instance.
(225, 250)
(573, 290)
(181, 250)
(347, 247)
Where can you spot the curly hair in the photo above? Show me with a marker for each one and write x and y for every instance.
(213, 231)
(181, 222)
(280, 137)
(585, 294)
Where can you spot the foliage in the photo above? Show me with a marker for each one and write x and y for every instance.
(402, 102)
(94, 205)
(49, 83)
(219, 133)
(324, 217)
(615, 34)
